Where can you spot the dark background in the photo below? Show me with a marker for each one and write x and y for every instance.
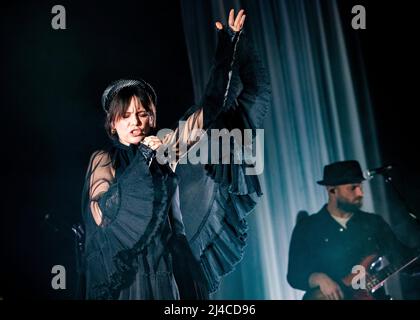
(388, 52)
(52, 80)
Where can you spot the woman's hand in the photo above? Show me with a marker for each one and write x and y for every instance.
(152, 142)
(236, 24)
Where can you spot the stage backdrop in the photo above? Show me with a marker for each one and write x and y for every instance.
(319, 114)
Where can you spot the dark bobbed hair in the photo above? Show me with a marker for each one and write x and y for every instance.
(119, 105)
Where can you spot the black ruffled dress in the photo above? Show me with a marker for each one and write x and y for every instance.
(169, 236)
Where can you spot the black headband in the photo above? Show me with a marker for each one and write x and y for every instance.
(116, 86)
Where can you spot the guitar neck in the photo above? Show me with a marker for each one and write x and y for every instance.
(377, 280)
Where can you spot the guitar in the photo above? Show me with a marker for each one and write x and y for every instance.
(374, 280)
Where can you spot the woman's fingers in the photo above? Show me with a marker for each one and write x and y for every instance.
(231, 17)
(152, 142)
(237, 23)
(238, 18)
(241, 24)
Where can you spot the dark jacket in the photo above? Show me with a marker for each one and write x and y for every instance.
(320, 244)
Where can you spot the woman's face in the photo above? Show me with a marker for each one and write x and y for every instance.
(134, 125)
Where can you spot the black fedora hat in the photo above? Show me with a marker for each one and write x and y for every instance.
(342, 172)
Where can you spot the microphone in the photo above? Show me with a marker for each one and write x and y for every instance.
(369, 174)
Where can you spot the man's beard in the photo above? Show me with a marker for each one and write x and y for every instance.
(348, 207)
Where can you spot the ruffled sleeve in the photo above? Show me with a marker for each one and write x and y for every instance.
(128, 220)
(236, 79)
(215, 199)
(246, 102)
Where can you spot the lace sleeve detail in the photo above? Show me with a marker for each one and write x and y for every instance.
(103, 199)
(186, 135)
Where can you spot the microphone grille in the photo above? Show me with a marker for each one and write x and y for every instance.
(367, 175)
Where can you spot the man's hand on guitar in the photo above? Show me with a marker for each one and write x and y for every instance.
(329, 288)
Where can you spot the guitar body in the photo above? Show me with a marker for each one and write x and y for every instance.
(374, 280)
(346, 285)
